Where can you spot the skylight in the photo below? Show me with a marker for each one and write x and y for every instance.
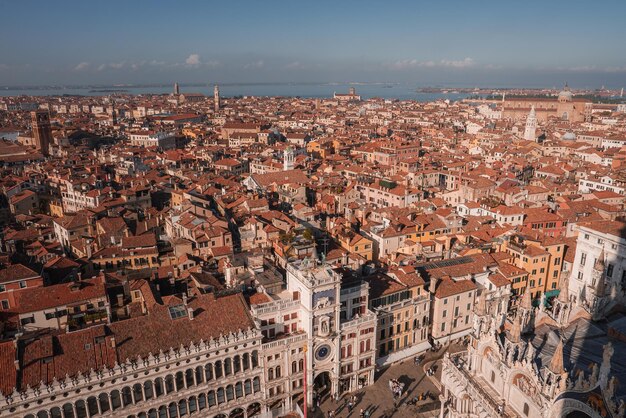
(177, 311)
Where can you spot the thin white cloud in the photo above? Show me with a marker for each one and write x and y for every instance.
(193, 60)
(414, 63)
(112, 65)
(295, 65)
(464, 63)
(615, 69)
(254, 65)
(82, 66)
(593, 69)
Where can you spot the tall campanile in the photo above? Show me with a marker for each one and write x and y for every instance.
(42, 131)
(216, 97)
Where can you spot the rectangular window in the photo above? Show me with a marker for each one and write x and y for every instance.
(29, 320)
(609, 270)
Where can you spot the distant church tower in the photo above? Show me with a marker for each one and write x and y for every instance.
(113, 117)
(531, 126)
(176, 89)
(216, 97)
(288, 159)
(42, 131)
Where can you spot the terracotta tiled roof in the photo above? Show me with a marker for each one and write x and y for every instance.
(448, 287)
(39, 298)
(16, 272)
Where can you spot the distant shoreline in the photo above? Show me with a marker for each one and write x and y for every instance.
(109, 91)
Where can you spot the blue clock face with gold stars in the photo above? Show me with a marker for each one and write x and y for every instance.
(322, 352)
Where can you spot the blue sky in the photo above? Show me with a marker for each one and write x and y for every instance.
(517, 43)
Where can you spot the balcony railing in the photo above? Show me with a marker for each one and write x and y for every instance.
(455, 365)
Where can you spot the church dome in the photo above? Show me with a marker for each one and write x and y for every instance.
(565, 95)
(569, 136)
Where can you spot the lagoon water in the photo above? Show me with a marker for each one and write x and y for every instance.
(321, 90)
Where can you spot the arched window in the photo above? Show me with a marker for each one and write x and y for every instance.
(152, 413)
(68, 410)
(42, 414)
(105, 406)
(138, 392)
(92, 405)
(218, 369)
(127, 397)
(55, 412)
(116, 400)
(228, 367)
(237, 364)
(270, 374)
(246, 361)
(189, 377)
(163, 411)
(221, 397)
(158, 387)
(182, 407)
(199, 374)
(211, 398)
(255, 359)
(148, 388)
(180, 381)
(230, 393)
(247, 386)
(81, 409)
(208, 371)
(169, 384)
(277, 372)
(201, 401)
(256, 384)
(238, 390)
(173, 410)
(193, 405)
(294, 367)
(301, 364)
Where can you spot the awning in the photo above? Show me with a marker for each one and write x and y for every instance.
(403, 354)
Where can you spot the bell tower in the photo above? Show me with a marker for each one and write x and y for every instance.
(216, 98)
(42, 131)
(531, 126)
(288, 159)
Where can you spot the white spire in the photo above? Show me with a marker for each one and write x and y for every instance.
(531, 126)
(288, 159)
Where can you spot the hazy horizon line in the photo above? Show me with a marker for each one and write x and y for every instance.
(450, 84)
